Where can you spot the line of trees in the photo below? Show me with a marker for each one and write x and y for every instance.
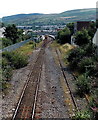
(81, 37)
(13, 35)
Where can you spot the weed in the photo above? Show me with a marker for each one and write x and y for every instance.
(83, 85)
(81, 115)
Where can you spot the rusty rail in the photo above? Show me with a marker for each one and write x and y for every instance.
(25, 108)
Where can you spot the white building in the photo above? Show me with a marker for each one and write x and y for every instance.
(95, 39)
(1, 32)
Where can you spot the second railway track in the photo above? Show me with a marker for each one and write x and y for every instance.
(64, 75)
(26, 106)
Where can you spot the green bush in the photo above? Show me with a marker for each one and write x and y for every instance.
(6, 42)
(4, 63)
(19, 60)
(16, 59)
(31, 42)
(83, 84)
(93, 105)
(64, 36)
(7, 73)
(4, 86)
(90, 49)
(75, 56)
(11, 60)
(87, 64)
(8, 55)
(82, 37)
(82, 115)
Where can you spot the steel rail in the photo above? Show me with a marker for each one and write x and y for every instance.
(71, 94)
(26, 85)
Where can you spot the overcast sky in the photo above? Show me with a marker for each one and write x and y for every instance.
(11, 7)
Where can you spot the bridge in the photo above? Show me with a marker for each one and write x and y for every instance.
(52, 36)
(45, 33)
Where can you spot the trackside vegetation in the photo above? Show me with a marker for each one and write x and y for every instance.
(13, 35)
(11, 61)
(83, 62)
(14, 60)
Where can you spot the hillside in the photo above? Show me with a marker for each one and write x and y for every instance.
(51, 19)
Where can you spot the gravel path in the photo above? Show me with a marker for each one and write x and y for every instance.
(50, 102)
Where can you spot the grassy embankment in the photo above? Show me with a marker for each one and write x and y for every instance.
(27, 49)
(15, 60)
(64, 49)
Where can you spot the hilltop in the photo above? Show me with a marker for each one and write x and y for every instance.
(51, 19)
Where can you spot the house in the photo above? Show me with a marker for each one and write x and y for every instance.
(1, 32)
(79, 25)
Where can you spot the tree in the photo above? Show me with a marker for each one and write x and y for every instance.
(2, 24)
(71, 27)
(21, 36)
(11, 32)
(92, 29)
(6, 42)
(82, 37)
(64, 36)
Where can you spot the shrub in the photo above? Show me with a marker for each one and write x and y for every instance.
(64, 36)
(4, 63)
(94, 107)
(83, 84)
(75, 56)
(8, 55)
(82, 37)
(4, 86)
(81, 115)
(87, 64)
(90, 49)
(19, 60)
(16, 59)
(31, 42)
(6, 42)
(11, 60)
(7, 73)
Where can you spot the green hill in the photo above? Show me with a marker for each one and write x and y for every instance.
(51, 19)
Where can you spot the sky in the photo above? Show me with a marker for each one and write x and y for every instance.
(11, 7)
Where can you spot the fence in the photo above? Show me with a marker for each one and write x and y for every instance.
(14, 46)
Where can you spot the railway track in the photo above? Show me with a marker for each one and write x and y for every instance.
(70, 92)
(25, 108)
